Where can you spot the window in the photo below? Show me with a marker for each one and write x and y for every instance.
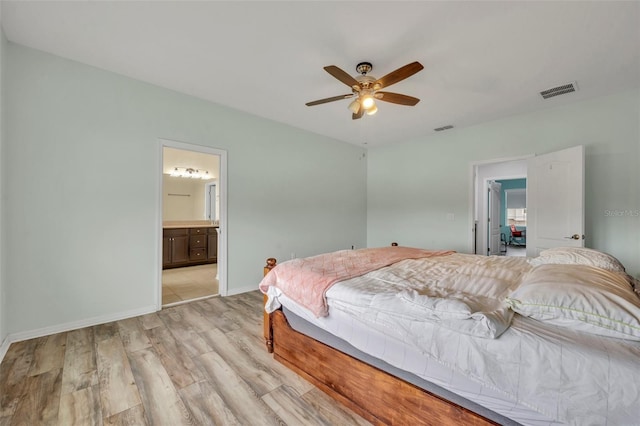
(517, 217)
(516, 206)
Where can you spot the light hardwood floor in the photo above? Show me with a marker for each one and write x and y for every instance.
(200, 363)
(519, 251)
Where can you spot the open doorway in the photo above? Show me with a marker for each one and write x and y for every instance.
(513, 217)
(193, 247)
(492, 234)
(554, 199)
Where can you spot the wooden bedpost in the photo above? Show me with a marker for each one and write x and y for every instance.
(268, 329)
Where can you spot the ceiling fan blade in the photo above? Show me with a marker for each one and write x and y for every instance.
(399, 74)
(342, 76)
(358, 115)
(397, 98)
(325, 100)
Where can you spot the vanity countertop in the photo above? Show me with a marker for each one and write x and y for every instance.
(189, 224)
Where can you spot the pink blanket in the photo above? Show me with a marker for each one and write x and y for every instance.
(307, 280)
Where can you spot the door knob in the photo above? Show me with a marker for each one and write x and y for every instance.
(574, 237)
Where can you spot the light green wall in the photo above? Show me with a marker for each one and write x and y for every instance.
(3, 310)
(82, 203)
(412, 186)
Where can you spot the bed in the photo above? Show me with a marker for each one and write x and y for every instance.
(411, 336)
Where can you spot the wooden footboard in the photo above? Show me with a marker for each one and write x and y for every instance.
(377, 396)
(267, 328)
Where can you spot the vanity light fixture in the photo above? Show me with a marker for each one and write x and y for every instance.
(189, 172)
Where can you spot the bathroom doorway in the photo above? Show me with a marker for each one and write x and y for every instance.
(192, 238)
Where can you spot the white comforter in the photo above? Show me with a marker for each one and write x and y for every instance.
(573, 377)
(460, 292)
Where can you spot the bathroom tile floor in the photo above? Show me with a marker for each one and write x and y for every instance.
(191, 282)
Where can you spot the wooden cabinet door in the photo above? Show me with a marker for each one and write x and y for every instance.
(212, 245)
(189, 246)
(180, 249)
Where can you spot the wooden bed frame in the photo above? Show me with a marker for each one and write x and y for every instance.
(377, 396)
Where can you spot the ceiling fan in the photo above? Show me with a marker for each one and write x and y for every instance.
(366, 89)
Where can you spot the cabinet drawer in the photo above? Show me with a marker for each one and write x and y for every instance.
(175, 232)
(198, 231)
(197, 254)
(197, 241)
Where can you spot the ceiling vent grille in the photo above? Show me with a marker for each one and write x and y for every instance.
(559, 90)
(439, 129)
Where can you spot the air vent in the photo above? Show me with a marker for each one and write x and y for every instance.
(559, 90)
(439, 129)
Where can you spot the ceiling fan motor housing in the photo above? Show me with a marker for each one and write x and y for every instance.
(364, 68)
(366, 81)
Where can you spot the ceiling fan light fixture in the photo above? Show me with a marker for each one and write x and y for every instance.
(354, 106)
(372, 110)
(368, 102)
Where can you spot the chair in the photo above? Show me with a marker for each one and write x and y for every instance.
(517, 238)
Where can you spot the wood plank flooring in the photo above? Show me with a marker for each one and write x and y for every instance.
(201, 363)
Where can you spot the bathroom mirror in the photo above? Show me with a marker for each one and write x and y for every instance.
(189, 185)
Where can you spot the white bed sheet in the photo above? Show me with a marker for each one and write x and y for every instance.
(534, 374)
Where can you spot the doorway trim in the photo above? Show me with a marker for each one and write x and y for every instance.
(207, 198)
(222, 230)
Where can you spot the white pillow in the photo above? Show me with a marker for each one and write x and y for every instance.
(577, 256)
(580, 297)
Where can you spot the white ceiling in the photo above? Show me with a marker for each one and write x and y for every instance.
(483, 60)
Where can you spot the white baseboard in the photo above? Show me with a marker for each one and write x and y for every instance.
(60, 328)
(234, 291)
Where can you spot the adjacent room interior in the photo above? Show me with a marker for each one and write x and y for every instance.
(190, 225)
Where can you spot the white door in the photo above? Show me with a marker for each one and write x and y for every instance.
(494, 189)
(555, 200)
